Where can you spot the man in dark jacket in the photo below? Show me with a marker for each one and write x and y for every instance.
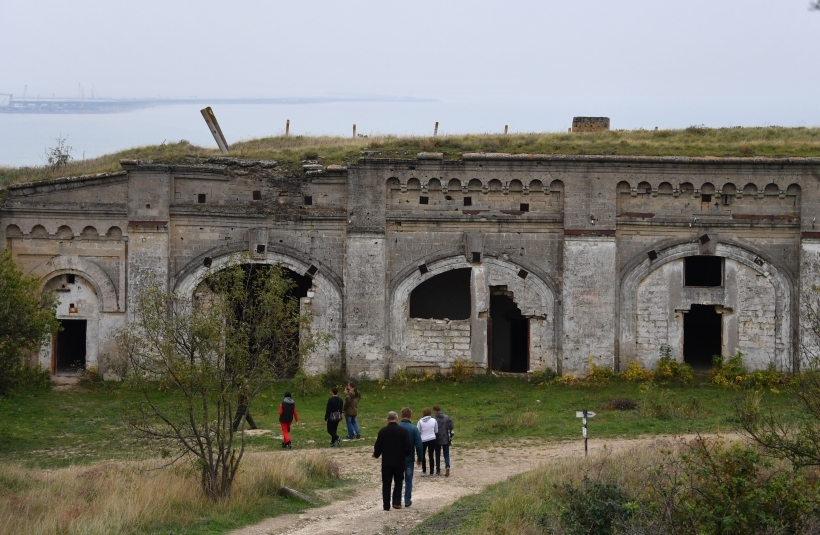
(333, 415)
(415, 440)
(443, 438)
(393, 446)
(351, 409)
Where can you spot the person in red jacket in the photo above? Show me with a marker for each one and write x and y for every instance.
(287, 415)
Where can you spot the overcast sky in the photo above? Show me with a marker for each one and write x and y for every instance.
(758, 58)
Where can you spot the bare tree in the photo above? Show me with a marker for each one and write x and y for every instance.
(212, 352)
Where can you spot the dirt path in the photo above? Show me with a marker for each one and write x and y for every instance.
(357, 507)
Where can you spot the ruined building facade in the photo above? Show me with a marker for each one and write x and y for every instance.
(511, 262)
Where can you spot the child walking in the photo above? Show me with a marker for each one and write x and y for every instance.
(287, 415)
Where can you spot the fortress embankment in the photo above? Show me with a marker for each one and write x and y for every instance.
(515, 263)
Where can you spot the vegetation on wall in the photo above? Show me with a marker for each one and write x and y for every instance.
(292, 150)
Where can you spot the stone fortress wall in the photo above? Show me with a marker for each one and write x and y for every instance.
(511, 262)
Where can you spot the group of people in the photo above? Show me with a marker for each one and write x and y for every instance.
(402, 445)
(335, 410)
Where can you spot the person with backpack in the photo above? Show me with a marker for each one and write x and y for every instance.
(428, 428)
(287, 415)
(333, 415)
(351, 410)
(444, 436)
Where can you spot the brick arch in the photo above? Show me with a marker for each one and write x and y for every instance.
(93, 273)
(536, 295)
(641, 267)
(327, 301)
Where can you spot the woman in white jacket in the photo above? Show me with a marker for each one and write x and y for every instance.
(428, 427)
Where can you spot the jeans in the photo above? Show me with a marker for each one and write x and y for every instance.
(352, 426)
(446, 448)
(409, 467)
(391, 474)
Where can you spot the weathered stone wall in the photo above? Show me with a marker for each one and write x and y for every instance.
(436, 342)
(571, 238)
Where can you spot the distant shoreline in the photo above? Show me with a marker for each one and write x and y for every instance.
(58, 106)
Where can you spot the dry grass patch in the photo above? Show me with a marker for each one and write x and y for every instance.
(128, 497)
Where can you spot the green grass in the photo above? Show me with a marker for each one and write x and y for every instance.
(692, 141)
(58, 428)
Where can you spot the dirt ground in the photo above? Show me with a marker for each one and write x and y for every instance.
(357, 508)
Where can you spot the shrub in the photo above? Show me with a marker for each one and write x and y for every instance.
(593, 508)
(672, 370)
(635, 373)
(542, 377)
(622, 404)
(306, 385)
(28, 375)
(599, 374)
(461, 370)
(730, 372)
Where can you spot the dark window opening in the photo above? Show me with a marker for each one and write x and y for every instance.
(476, 257)
(312, 270)
(69, 353)
(445, 296)
(706, 198)
(727, 200)
(207, 262)
(653, 255)
(424, 200)
(702, 336)
(468, 201)
(423, 269)
(200, 198)
(509, 340)
(522, 273)
(257, 195)
(448, 197)
(703, 271)
(525, 207)
(308, 200)
(72, 279)
(148, 206)
(260, 249)
(704, 239)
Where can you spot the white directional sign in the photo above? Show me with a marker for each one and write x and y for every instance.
(580, 414)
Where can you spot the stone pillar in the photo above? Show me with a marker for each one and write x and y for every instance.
(365, 313)
(589, 288)
(480, 311)
(809, 276)
(149, 196)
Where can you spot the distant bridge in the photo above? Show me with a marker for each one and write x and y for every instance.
(9, 104)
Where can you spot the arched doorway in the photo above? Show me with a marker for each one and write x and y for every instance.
(75, 346)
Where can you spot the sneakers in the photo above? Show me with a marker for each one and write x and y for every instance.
(286, 445)
(447, 472)
(408, 504)
(339, 441)
(424, 474)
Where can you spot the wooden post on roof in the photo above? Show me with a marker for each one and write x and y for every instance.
(210, 120)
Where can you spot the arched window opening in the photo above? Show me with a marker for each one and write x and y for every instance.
(445, 296)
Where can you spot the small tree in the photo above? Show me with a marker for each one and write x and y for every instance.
(237, 334)
(26, 319)
(60, 154)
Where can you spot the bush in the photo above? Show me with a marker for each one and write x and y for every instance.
(544, 377)
(27, 375)
(461, 370)
(594, 508)
(305, 385)
(669, 369)
(599, 374)
(622, 404)
(730, 372)
(635, 373)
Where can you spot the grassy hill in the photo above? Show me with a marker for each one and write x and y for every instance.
(692, 141)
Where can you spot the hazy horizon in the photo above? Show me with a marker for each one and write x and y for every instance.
(532, 65)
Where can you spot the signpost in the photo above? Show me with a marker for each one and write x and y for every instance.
(584, 414)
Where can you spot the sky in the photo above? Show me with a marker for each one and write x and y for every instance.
(642, 62)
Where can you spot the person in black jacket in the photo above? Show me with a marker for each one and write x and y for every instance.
(393, 446)
(333, 415)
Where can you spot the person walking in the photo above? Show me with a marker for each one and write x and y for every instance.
(393, 446)
(333, 415)
(242, 408)
(443, 437)
(415, 440)
(351, 410)
(428, 427)
(287, 415)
